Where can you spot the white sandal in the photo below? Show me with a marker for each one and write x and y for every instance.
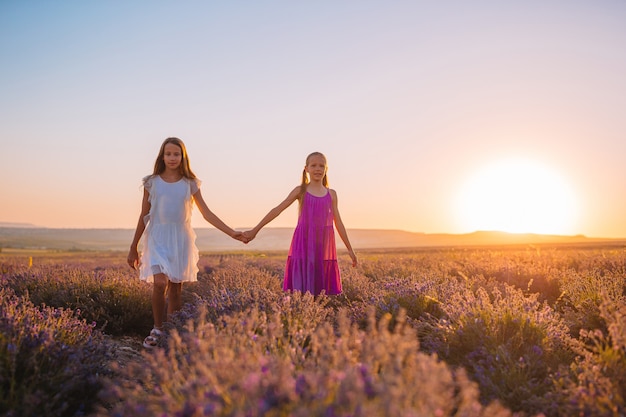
(152, 340)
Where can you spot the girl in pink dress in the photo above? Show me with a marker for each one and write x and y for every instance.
(170, 255)
(312, 261)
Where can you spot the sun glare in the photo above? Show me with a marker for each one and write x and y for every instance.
(517, 196)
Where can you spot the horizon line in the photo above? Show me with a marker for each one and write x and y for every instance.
(18, 225)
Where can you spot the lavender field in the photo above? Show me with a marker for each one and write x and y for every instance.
(501, 331)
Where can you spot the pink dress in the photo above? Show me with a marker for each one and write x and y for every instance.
(312, 261)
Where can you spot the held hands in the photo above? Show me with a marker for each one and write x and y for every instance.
(249, 234)
(244, 237)
(238, 235)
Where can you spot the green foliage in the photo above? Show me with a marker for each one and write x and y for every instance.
(259, 364)
(584, 292)
(508, 342)
(111, 297)
(49, 360)
(418, 332)
(596, 383)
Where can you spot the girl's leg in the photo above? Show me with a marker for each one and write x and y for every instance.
(174, 297)
(158, 299)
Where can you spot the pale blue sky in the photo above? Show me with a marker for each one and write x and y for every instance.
(407, 99)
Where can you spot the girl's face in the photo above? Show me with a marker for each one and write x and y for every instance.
(172, 156)
(316, 168)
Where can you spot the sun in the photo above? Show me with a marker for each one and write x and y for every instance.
(517, 196)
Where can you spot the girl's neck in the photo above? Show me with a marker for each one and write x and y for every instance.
(316, 188)
(170, 175)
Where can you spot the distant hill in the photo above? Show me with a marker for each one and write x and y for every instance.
(31, 237)
(20, 225)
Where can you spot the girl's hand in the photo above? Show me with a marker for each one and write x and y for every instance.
(240, 237)
(249, 234)
(133, 259)
(354, 260)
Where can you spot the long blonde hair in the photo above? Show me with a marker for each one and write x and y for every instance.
(305, 177)
(184, 168)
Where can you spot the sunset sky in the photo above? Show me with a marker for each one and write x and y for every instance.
(436, 117)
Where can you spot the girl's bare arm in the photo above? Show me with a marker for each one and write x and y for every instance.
(341, 230)
(273, 213)
(212, 218)
(133, 253)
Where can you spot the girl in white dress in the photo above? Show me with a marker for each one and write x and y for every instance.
(170, 256)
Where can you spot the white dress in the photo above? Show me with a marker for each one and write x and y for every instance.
(169, 241)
